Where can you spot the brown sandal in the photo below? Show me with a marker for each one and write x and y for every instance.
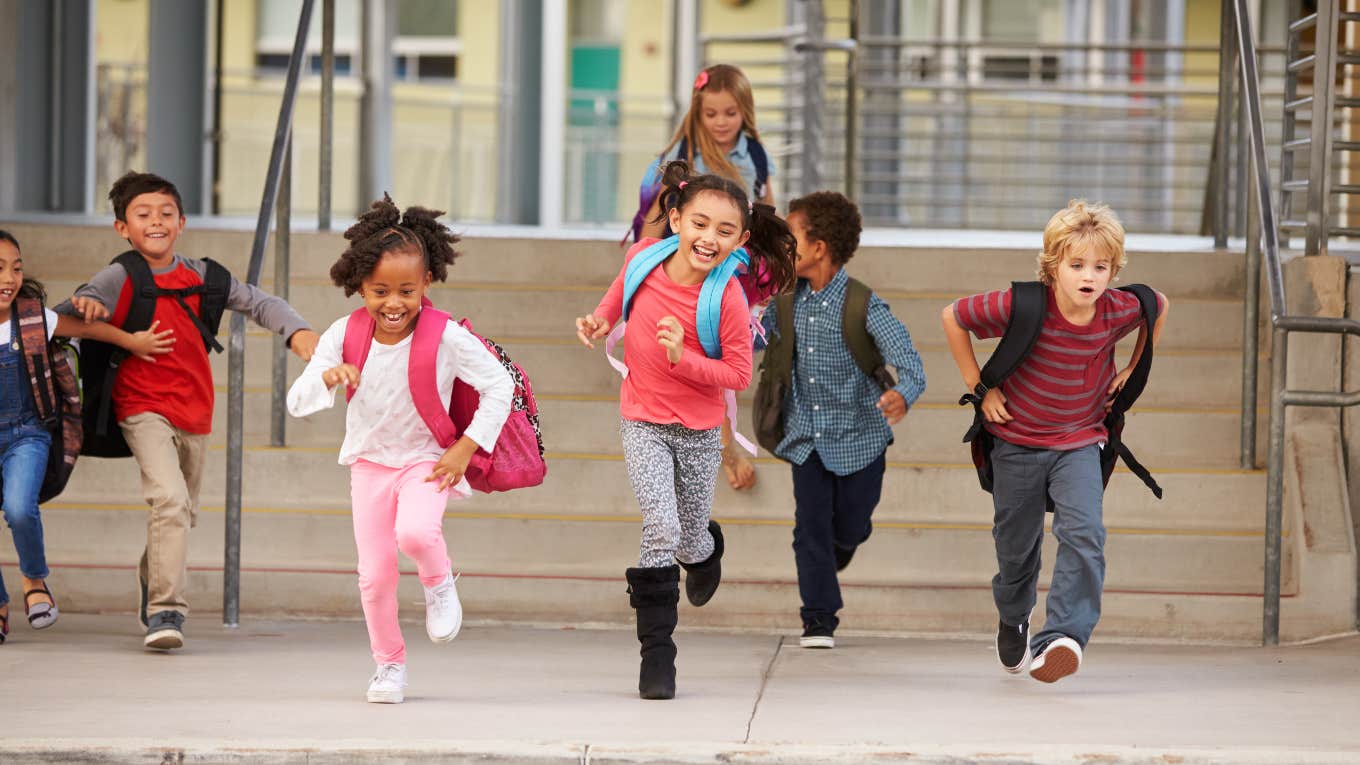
(4, 626)
(41, 615)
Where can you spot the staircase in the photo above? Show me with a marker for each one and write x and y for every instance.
(1187, 567)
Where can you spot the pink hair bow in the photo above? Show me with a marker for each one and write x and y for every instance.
(701, 80)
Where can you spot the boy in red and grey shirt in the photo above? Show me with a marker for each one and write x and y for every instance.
(165, 408)
(1047, 422)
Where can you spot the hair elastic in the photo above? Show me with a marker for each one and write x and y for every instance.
(682, 184)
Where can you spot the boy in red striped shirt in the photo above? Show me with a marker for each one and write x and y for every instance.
(1047, 420)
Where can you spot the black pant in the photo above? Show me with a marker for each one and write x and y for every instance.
(831, 511)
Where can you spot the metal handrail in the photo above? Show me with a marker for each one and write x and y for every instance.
(1281, 323)
(236, 353)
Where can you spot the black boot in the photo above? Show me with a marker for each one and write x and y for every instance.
(655, 593)
(701, 579)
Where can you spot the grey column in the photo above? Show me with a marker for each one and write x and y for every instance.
(521, 85)
(883, 114)
(177, 98)
(46, 105)
(375, 108)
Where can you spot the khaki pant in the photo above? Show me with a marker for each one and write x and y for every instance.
(171, 462)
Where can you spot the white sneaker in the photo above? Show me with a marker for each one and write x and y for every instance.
(388, 684)
(1058, 659)
(443, 612)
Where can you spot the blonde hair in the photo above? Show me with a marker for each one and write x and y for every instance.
(720, 78)
(1079, 227)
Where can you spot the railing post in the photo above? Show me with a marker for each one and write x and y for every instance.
(231, 555)
(1320, 149)
(1270, 618)
(814, 76)
(324, 154)
(1251, 316)
(283, 225)
(852, 105)
(1227, 53)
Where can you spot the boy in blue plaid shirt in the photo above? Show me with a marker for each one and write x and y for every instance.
(837, 422)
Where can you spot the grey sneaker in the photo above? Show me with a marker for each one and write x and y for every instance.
(164, 630)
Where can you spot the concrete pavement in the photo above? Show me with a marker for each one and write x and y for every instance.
(293, 691)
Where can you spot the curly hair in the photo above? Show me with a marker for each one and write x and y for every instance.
(386, 229)
(831, 218)
(1076, 228)
(133, 185)
(771, 245)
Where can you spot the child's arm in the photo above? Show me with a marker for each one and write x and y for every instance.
(1123, 376)
(145, 345)
(96, 299)
(961, 348)
(484, 372)
(894, 342)
(274, 314)
(733, 370)
(314, 389)
(597, 323)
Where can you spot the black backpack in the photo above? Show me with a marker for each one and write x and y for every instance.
(776, 367)
(99, 362)
(1029, 305)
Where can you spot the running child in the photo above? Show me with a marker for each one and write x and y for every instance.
(25, 440)
(1047, 424)
(672, 400)
(401, 479)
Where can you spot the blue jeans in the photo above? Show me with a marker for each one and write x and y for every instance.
(830, 511)
(1025, 482)
(23, 461)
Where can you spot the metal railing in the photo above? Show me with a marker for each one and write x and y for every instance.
(1243, 47)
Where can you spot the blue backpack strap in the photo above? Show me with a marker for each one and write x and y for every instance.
(708, 315)
(641, 265)
(761, 160)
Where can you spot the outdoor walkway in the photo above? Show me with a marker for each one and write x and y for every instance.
(293, 691)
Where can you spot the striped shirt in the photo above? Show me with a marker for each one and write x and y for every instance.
(1057, 395)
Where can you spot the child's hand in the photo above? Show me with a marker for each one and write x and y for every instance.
(91, 309)
(590, 327)
(149, 343)
(994, 407)
(453, 464)
(741, 474)
(893, 406)
(1116, 385)
(671, 336)
(345, 373)
(303, 343)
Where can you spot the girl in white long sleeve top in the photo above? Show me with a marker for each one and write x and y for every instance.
(400, 477)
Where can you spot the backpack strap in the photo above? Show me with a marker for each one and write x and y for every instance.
(358, 339)
(1029, 305)
(142, 308)
(30, 330)
(708, 313)
(1133, 388)
(213, 293)
(216, 292)
(642, 264)
(761, 160)
(855, 331)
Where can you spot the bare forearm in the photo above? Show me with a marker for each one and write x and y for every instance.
(961, 348)
(69, 326)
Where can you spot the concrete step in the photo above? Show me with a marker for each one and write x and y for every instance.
(76, 252)
(597, 486)
(1161, 437)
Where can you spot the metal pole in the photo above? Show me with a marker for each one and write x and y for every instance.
(852, 104)
(218, 27)
(1251, 304)
(813, 77)
(278, 414)
(1227, 53)
(54, 110)
(323, 206)
(1320, 149)
(1270, 620)
(231, 556)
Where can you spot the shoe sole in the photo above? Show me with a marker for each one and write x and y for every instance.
(386, 697)
(817, 642)
(1059, 662)
(45, 619)
(164, 640)
(445, 638)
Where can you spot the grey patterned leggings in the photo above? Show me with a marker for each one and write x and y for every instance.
(673, 470)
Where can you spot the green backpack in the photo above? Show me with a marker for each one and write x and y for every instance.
(776, 368)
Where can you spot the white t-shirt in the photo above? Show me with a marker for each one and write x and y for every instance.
(382, 424)
(7, 335)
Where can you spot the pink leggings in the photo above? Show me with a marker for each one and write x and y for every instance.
(395, 509)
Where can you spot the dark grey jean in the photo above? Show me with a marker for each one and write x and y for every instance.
(1026, 481)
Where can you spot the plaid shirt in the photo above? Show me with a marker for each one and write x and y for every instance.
(833, 406)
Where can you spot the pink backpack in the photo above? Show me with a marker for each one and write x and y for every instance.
(516, 459)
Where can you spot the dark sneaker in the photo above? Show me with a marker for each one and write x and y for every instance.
(1012, 646)
(1056, 660)
(141, 607)
(843, 556)
(164, 630)
(818, 634)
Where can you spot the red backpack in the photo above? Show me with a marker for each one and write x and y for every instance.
(515, 461)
